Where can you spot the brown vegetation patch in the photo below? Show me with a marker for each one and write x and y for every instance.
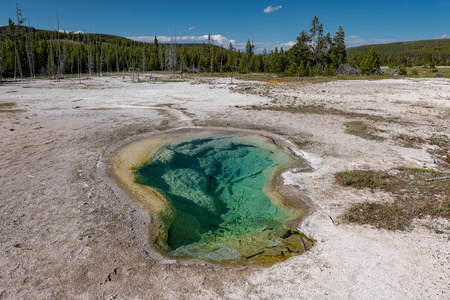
(416, 192)
(362, 130)
(442, 151)
(321, 110)
(409, 141)
(6, 107)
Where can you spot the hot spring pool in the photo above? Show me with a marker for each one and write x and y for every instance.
(220, 197)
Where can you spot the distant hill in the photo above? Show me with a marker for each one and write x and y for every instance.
(104, 38)
(4, 29)
(436, 52)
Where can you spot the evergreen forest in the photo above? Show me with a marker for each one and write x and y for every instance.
(29, 52)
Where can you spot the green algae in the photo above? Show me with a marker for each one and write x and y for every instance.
(215, 186)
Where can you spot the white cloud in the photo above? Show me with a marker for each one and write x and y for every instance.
(217, 39)
(356, 40)
(70, 31)
(271, 9)
(444, 36)
(191, 28)
(287, 45)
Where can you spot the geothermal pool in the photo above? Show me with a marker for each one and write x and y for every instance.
(220, 197)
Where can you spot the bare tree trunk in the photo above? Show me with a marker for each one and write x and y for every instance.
(61, 55)
(117, 62)
(52, 66)
(17, 64)
(16, 56)
(144, 60)
(79, 63)
(98, 64)
(221, 59)
(161, 60)
(29, 53)
(182, 67)
(212, 59)
(90, 62)
(71, 63)
(101, 59)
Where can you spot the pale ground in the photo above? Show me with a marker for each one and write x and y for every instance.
(67, 232)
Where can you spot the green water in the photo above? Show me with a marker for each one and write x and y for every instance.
(215, 186)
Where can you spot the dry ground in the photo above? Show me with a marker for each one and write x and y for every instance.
(67, 232)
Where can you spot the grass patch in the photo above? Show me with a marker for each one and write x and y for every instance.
(361, 179)
(362, 130)
(8, 107)
(321, 110)
(442, 151)
(409, 141)
(414, 196)
(379, 215)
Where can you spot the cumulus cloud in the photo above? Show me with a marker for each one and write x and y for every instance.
(271, 9)
(69, 31)
(356, 40)
(191, 28)
(217, 39)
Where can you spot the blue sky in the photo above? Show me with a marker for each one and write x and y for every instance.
(267, 23)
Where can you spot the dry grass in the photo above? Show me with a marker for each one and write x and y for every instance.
(415, 197)
(321, 110)
(362, 130)
(8, 107)
(441, 149)
(409, 141)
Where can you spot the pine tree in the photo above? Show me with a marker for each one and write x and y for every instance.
(302, 70)
(340, 55)
(309, 70)
(370, 62)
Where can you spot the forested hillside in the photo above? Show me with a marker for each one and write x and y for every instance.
(25, 51)
(419, 53)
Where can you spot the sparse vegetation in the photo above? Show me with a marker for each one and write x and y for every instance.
(414, 196)
(362, 130)
(361, 179)
(409, 141)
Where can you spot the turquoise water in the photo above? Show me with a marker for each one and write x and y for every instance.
(215, 185)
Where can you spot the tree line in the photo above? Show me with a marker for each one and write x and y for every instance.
(27, 52)
(407, 54)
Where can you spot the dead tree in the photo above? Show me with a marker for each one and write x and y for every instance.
(117, 62)
(52, 61)
(60, 56)
(212, 58)
(2, 60)
(221, 59)
(29, 48)
(79, 62)
(172, 55)
(144, 60)
(17, 64)
(101, 58)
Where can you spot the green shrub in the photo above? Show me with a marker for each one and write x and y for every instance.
(402, 71)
